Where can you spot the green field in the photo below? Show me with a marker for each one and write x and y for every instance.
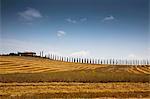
(23, 76)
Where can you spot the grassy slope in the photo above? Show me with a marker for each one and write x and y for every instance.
(30, 69)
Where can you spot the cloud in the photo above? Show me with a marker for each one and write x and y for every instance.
(108, 18)
(71, 20)
(30, 14)
(55, 53)
(61, 33)
(80, 54)
(83, 19)
(131, 56)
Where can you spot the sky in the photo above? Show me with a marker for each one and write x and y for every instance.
(76, 28)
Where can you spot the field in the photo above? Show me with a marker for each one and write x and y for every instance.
(34, 77)
(73, 90)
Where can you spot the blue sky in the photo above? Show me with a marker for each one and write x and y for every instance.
(77, 28)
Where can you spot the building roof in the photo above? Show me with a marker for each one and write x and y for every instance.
(26, 53)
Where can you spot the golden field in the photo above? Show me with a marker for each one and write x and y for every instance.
(17, 64)
(35, 69)
(73, 90)
(34, 77)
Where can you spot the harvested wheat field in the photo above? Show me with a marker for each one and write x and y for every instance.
(34, 77)
(73, 90)
(35, 69)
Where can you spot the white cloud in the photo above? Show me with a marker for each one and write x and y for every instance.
(108, 18)
(55, 53)
(71, 20)
(61, 33)
(30, 14)
(131, 56)
(80, 54)
(83, 19)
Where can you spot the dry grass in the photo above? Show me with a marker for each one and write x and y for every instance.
(38, 78)
(73, 90)
(14, 64)
(31, 69)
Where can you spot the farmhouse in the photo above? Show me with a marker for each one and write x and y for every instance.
(13, 54)
(26, 53)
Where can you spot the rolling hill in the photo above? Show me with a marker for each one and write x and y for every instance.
(35, 69)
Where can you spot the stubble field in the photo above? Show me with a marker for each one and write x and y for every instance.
(33, 77)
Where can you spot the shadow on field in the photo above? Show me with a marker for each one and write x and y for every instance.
(75, 76)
